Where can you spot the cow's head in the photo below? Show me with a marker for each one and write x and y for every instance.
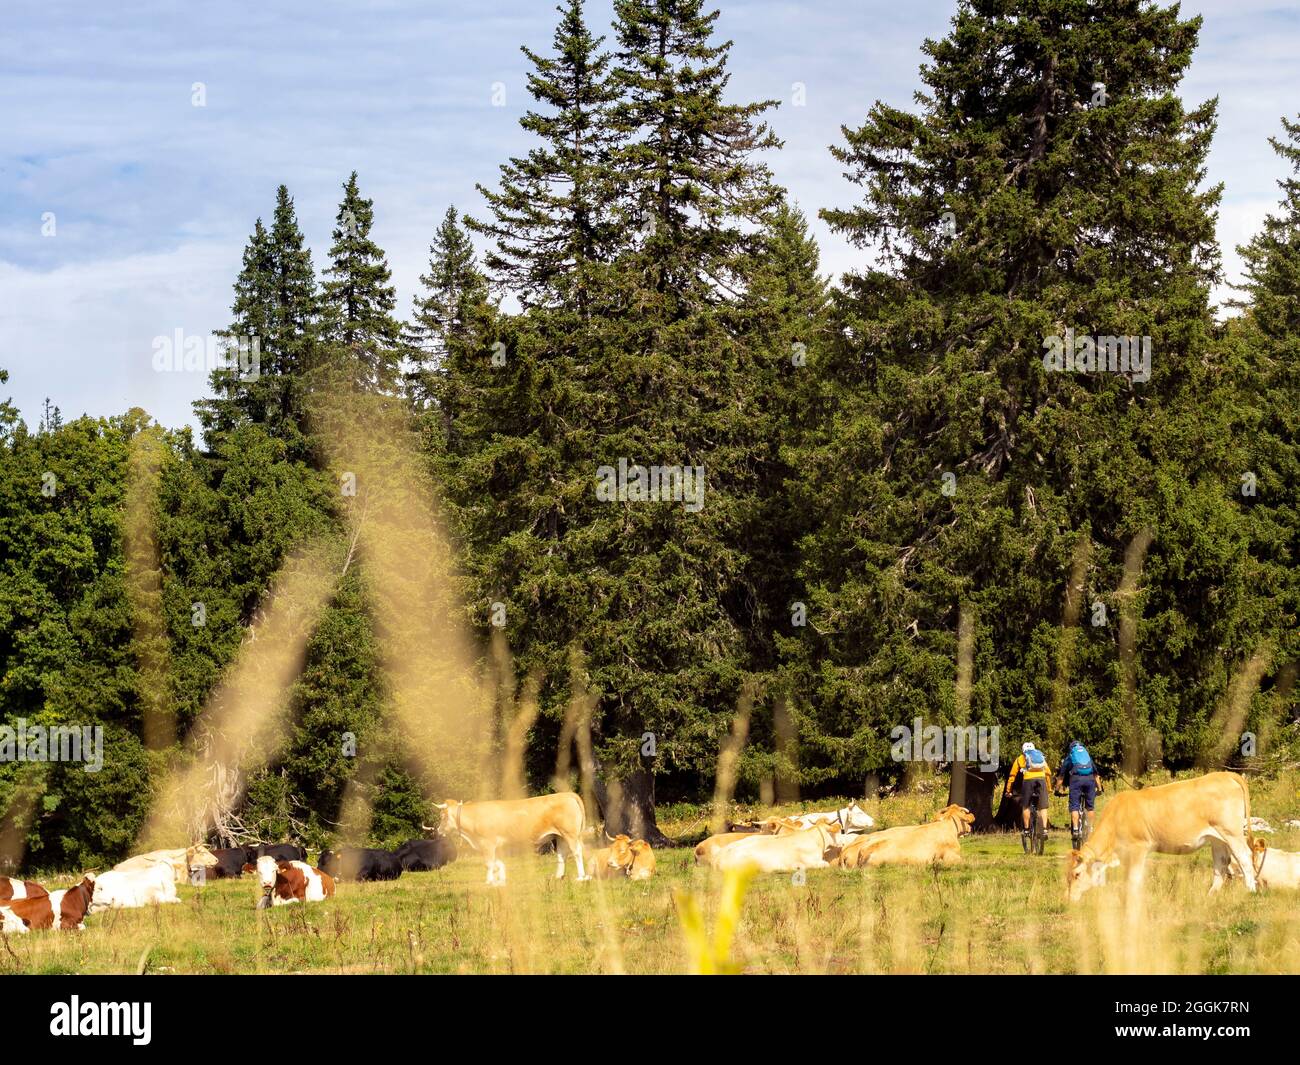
(449, 822)
(1258, 848)
(267, 868)
(1086, 872)
(620, 851)
(199, 857)
(784, 826)
(854, 817)
(959, 816)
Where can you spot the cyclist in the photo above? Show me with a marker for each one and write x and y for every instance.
(1080, 775)
(1031, 769)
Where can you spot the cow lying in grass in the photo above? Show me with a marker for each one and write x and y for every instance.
(65, 910)
(706, 851)
(806, 849)
(133, 888)
(632, 858)
(912, 844)
(19, 889)
(285, 883)
(1176, 818)
(180, 860)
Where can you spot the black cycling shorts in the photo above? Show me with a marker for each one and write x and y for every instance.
(1031, 789)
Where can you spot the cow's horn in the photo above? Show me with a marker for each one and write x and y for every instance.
(440, 805)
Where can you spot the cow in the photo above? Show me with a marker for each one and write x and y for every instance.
(643, 861)
(230, 862)
(490, 826)
(281, 852)
(1275, 868)
(20, 889)
(614, 860)
(288, 882)
(936, 841)
(424, 855)
(707, 850)
(359, 863)
(1176, 818)
(179, 859)
(65, 909)
(852, 818)
(127, 889)
(774, 854)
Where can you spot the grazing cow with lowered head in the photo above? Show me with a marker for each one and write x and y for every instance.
(64, 909)
(425, 855)
(20, 889)
(130, 889)
(361, 863)
(1176, 818)
(289, 882)
(489, 827)
(1275, 868)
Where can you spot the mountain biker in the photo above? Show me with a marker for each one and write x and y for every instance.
(1078, 772)
(1031, 769)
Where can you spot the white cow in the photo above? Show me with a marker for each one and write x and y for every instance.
(130, 889)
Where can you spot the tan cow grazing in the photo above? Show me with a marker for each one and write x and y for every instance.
(180, 859)
(777, 854)
(285, 883)
(65, 910)
(643, 861)
(490, 826)
(1275, 868)
(1176, 818)
(936, 841)
(20, 889)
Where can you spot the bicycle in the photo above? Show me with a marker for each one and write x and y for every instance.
(1035, 840)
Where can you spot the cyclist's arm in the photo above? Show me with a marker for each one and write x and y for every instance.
(1011, 776)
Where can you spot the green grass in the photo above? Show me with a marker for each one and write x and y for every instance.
(998, 912)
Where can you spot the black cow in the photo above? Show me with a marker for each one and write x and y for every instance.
(281, 852)
(422, 855)
(360, 863)
(230, 862)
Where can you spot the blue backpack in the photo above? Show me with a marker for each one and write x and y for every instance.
(1080, 761)
(1035, 759)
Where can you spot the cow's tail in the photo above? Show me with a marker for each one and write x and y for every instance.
(582, 815)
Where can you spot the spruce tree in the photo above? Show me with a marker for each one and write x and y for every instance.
(450, 313)
(1046, 189)
(1270, 376)
(359, 299)
(552, 222)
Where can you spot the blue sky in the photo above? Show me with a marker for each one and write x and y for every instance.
(153, 198)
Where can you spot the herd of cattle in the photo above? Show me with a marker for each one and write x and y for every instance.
(1176, 818)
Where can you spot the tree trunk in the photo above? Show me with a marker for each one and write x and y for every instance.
(1009, 817)
(627, 805)
(971, 787)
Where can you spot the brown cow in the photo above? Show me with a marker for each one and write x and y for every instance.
(290, 882)
(643, 861)
(65, 910)
(20, 889)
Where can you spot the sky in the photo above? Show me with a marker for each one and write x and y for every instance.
(125, 206)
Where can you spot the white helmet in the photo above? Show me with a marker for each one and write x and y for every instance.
(1026, 746)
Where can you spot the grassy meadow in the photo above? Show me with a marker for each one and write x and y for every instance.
(999, 912)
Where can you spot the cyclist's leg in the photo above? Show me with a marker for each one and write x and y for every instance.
(1076, 809)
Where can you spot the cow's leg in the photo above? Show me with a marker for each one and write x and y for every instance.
(1242, 852)
(576, 850)
(1222, 864)
(559, 858)
(490, 856)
